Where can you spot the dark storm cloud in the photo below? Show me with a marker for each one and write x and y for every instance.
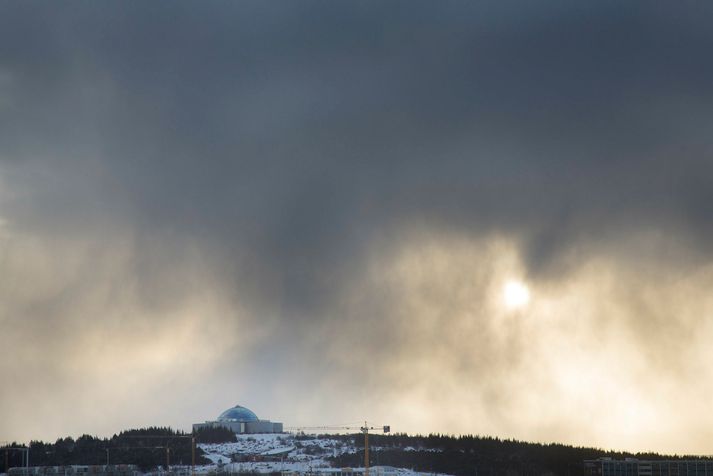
(283, 146)
(291, 122)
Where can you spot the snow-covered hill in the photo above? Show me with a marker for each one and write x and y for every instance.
(284, 452)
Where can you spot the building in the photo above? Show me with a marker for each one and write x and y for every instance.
(77, 470)
(640, 467)
(242, 420)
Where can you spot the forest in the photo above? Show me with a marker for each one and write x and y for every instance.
(146, 447)
(476, 455)
(470, 455)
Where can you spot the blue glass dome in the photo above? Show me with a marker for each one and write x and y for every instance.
(237, 413)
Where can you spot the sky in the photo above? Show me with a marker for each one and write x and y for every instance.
(488, 218)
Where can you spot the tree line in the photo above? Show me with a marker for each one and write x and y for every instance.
(466, 455)
(147, 448)
(474, 455)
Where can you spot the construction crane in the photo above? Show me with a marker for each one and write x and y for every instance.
(363, 429)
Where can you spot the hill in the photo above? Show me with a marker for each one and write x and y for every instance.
(223, 451)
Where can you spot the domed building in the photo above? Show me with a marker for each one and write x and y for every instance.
(241, 420)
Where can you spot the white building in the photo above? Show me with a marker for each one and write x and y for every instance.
(241, 420)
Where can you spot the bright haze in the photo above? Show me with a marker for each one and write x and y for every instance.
(458, 217)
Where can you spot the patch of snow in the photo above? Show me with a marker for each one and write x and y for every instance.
(276, 452)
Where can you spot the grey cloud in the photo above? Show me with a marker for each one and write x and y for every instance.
(269, 152)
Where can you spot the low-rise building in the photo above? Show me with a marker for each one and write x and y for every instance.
(77, 470)
(239, 419)
(640, 467)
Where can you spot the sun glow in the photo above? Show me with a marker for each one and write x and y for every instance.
(516, 295)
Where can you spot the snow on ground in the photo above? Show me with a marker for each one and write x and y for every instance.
(267, 453)
(285, 452)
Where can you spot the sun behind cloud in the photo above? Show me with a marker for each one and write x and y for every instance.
(516, 295)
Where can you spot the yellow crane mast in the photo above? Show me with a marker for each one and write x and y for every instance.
(364, 429)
